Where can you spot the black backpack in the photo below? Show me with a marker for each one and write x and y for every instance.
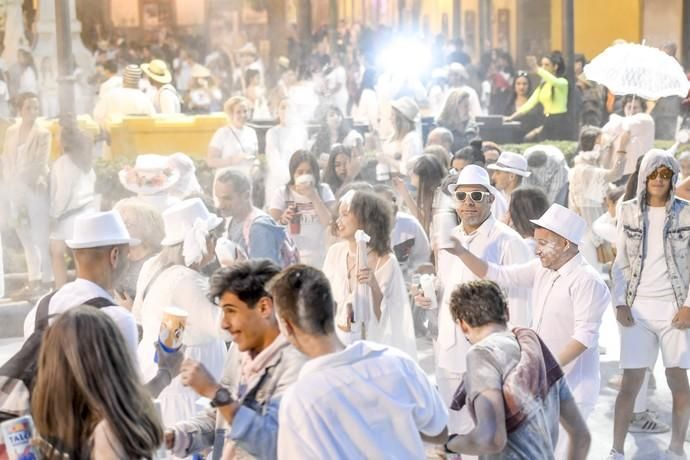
(18, 373)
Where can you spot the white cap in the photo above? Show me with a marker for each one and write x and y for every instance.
(180, 218)
(564, 222)
(512, 163)
(99, 230)
(473, 175)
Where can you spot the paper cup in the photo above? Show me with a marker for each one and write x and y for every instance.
(429, 289)
(444, 223)
(305, 179)
(172, 329)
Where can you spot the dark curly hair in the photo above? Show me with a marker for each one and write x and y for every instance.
(247, 280)
(478, 303)
(375, 217)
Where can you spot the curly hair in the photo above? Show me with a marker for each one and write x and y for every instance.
(478, 303)
(375, 217)
(247, 280)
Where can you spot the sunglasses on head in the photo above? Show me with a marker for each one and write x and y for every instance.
(664, 173)
(476, 197)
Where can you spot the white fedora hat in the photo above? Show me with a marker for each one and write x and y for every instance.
(473, 175)
(407, 107)
(98, 230)
(564, 222)
(151, 174)
(512, 163)
(180, 218)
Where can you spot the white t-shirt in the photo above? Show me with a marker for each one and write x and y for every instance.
(311, 239)
(409, 148)
(655, 282)
(236, 142)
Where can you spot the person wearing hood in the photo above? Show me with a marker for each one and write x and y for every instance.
(254, 232)
(651, 277)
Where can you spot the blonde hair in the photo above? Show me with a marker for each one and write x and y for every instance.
(230, 104)
(146, 223)
(450, 114)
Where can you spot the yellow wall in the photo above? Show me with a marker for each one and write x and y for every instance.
(598, 23)
(663, 22)
(434, 11)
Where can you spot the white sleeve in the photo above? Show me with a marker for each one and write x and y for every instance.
(518, 276)
(590, 299)
(128, 327)
(430, 413)
(327, 194)
(217, 140)
(253, 146)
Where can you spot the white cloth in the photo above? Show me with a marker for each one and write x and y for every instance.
(28, 81)
(655, 281)
(281, 143)
(305, 100)
(366, 111)
(4, 100)
(567, 304)
(395, 327)
(338, 78)
(641, 127)
(167, 100)
(605, 227)
(311, 239)
(375, 400)
(113, 82)
(409, 148)
(122, 102)
(186, 289)
(233, 142)
(76, 293)
(407, 228)
(70, 189)
(493, 242)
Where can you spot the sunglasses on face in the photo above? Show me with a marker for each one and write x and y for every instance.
(476, 197)
(665, 174)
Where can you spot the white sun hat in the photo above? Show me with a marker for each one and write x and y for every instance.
(564, 222)
(151, 174)
(99, 230)
(180, 218)
(512, 163)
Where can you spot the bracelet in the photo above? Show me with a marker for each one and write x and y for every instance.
(445, 446)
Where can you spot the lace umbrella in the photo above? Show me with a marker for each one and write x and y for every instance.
(647, 72)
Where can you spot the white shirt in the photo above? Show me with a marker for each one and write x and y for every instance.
(236, 142)
(365, 402)
(76, 293)
(113, 82)
(641, 127)
(409, 148)
(367, 110)
(122, 101)
(567, 304)
(167, 100)
(493, 242)
(655, 281)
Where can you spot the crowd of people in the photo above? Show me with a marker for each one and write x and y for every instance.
(316, 261)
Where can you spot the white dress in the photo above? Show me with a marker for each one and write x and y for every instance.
(396, 327)
(72, 194)
(184, 288)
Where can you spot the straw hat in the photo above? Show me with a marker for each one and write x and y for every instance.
(157, 70)
(407, 107)
(564, 222)
(199, 71)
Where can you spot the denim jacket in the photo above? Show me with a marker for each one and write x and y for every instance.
(632, 232)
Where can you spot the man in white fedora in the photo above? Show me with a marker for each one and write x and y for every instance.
(494, 242)
(507, 173)
(100, 246)
(166, 99)
(568, 299)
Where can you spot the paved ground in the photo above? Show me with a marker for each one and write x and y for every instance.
(642, 447)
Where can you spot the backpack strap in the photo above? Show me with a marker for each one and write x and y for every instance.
(100, 302)
(42, 311)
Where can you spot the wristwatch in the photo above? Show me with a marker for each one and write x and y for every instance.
(222, 398)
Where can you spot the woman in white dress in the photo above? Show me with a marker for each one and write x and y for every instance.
(405, 146)
(174, 278)
(391, 319)
(282, 141)
(303, 206)
(234, 145)
(72, 191)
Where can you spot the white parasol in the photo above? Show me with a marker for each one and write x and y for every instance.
(643, 71)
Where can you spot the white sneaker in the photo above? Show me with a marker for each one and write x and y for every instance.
(646, 422)
(615, 455)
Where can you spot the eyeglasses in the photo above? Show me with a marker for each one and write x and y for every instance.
(664, 173)
(476, 197)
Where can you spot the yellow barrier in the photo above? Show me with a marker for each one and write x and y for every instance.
(85, 122)
(190, 134)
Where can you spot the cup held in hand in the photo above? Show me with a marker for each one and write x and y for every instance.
(172, 329)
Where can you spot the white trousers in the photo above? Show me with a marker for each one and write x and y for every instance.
(34, 235)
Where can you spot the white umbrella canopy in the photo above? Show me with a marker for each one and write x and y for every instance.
(647, 72)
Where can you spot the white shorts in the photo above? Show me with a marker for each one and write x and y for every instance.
(641, 342)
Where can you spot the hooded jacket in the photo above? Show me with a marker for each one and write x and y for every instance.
(633, 223)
